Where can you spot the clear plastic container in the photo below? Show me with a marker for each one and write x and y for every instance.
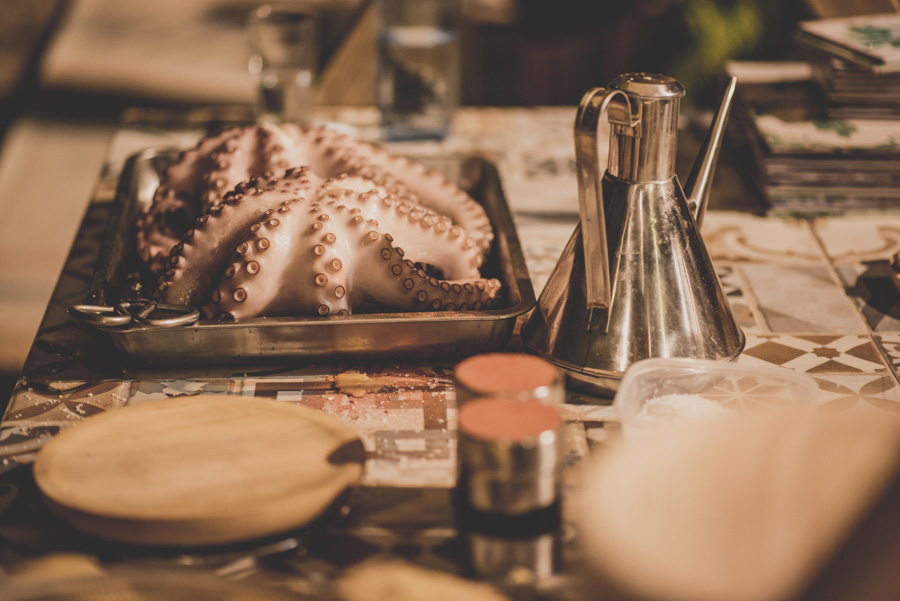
(658, 392)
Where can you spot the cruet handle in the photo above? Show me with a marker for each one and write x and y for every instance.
(590, 191)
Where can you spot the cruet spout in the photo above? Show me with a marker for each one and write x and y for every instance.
(699, 181)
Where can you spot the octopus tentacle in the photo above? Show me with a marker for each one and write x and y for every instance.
(428, 186)
(436, 192)
(161, 227)
(184, 177)
(286, 266)
(397, 282)
(196, 181)
(196, 261)
(176, 202)
(328, 259)
(233, 161)
(202, 175)
(431, 238)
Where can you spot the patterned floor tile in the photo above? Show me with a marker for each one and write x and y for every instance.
(783, 296)
(732, 286)
(596, 424)
(890, 344)
(36, 414)
(588, 413)
(859, 239)
(542, 244)
(865, 392)
(742, 237)
(414, 458)
(743, 306)
(407, 423)
(871, 287)
(148, 390)
(67, 403)
(815, 354)
(575, 443)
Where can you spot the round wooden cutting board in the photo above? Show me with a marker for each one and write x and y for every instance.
(198, 470)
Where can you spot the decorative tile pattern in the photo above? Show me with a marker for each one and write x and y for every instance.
(859, 239)
(35, 414)
(874, 37)
(731, 284)
(406, 422)
(798, 137)
(745, 393)
(783, 295)
(867, 392)
(67, 401)
(591, 426)
(542, 243)
(532, 148)
(739, 237)
(890, 344)
(815, 354)
(742, 305)
(148, 390)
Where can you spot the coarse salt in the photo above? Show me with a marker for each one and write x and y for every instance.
(681, 407)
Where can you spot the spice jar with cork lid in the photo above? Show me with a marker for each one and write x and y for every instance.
(508, 487)
(516, 375)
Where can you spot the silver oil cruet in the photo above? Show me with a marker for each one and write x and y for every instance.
(635, 279)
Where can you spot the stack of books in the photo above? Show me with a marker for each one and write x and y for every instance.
(829, 142)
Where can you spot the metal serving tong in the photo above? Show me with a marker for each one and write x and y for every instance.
(135, 311)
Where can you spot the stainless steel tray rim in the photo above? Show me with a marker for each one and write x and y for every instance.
(485, 329)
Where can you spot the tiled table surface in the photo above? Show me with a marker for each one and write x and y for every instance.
(812, 295)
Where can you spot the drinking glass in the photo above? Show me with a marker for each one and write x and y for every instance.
(418, 81)
(284, 55)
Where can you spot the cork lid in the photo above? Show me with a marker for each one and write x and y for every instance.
(507, 419)
(492, 373)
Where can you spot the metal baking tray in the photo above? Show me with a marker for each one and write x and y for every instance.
(120, 276)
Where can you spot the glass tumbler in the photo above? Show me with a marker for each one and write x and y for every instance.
(283, 61)
(418, 81)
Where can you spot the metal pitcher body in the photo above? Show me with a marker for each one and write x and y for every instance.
(635, 280)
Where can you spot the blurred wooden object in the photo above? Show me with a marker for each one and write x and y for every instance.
(828, 9)
(348, 78)
(22, 27)
(32, 148)
(748, 509)
(865, 567)
(198, 470)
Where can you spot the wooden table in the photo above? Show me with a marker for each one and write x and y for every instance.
(812, 295)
